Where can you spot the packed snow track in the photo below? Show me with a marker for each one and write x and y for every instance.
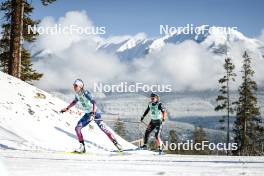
(30, 163)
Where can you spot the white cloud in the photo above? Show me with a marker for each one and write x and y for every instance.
(185, 66)
(261, 37)
(81, 60)
(60, 41)
(236, 54)
(73, 56)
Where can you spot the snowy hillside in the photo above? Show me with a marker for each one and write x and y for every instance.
(30, 120)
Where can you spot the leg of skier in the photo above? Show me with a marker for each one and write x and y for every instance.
(102, 126)
(157, 136)
(149, 129)
(84, 121)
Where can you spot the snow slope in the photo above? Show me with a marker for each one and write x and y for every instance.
(30, 120)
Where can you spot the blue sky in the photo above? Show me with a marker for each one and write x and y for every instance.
(133, 16)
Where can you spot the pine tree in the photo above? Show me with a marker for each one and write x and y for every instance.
(17, 14)
(27, 72)
(224, 100)
(120, 128)
(173, 138)
(4, 48)
(247, 127)
(199, 136)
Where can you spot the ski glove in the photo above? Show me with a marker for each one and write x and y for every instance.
(92, 117)
(64, 110)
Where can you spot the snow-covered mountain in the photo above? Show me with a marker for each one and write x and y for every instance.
(30, 120)
(216, 42)
(138, 46)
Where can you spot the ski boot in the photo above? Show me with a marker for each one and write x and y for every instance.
(143, 147)
(160, 150)
(118, 146)
(81, 149)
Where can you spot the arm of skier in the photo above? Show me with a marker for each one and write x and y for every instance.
(163, 111)
(145, 113)
(69, 106)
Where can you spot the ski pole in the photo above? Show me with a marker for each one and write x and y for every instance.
(144, 123)
(116, 121)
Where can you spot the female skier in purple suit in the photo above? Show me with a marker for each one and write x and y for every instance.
(84, 97)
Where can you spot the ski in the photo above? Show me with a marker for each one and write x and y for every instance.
(127, 150)
(116, 153)
(76, 153)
